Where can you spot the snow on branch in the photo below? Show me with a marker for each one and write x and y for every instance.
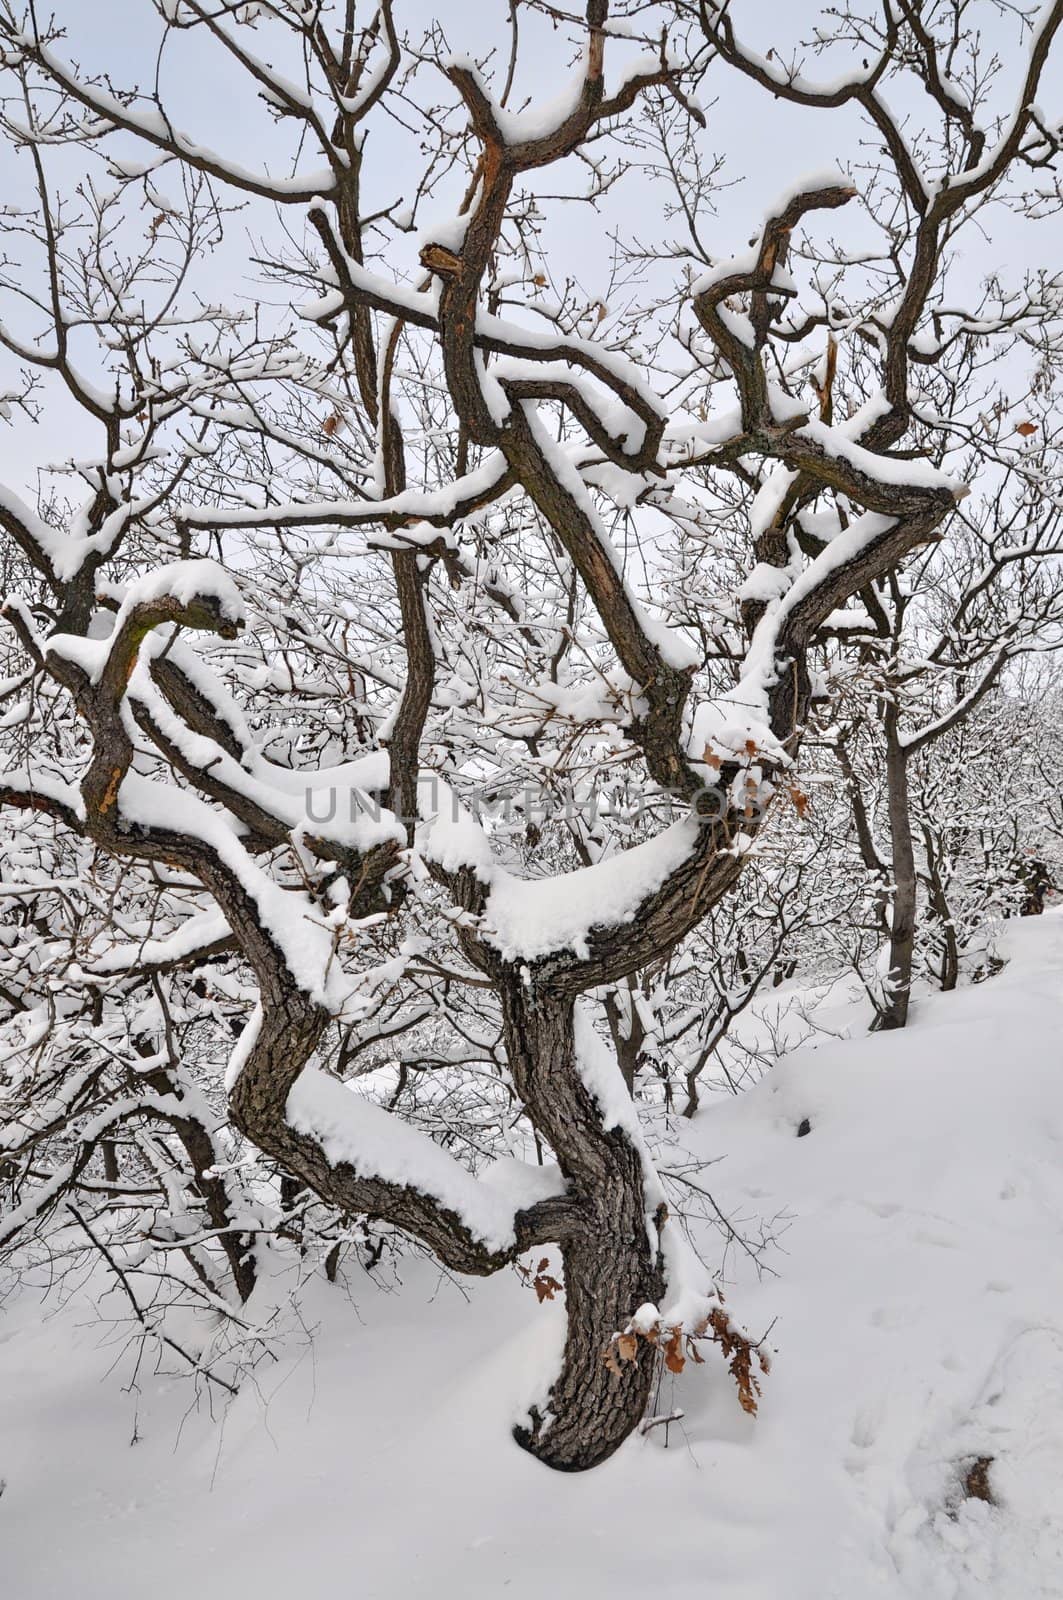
(378, 1146)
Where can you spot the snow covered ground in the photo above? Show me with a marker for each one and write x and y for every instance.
(918, 1317)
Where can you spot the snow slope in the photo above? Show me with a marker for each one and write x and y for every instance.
(918, 1316)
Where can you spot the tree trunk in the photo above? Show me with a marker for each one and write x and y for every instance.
(902, 921)
(949, 970)
(865, 838)
(213, 1190)
(627, 1033)
(591, 1411)
(611, 1265)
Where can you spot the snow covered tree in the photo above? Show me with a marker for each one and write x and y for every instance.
(938, 644)
(473, 543)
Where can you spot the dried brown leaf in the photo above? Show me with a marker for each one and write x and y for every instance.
(674, 1358)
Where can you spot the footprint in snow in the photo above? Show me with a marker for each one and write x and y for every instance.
(991, 1479)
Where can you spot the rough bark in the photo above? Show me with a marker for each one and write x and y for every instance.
(894, 1013)
(611, 1267)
